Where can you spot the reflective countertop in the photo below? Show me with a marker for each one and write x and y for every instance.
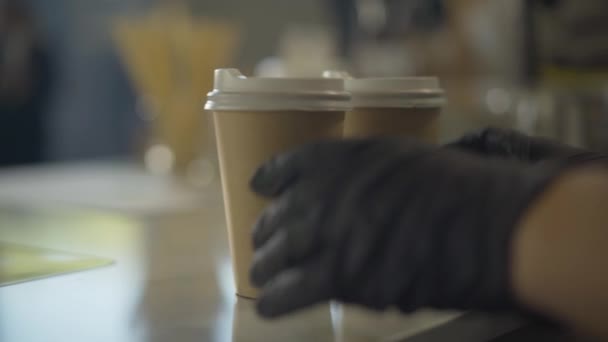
(171, 277)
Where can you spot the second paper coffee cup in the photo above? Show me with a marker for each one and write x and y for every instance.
(255, 119)
(395, 106)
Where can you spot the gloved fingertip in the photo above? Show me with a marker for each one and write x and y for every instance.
(265, 310)
(260, 182)
(272, 177)
(254, 277)
(254, 273)
(257, 232)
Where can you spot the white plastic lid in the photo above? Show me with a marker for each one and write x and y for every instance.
(392, 92)
(233, 91)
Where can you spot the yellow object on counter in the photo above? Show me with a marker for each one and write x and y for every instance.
(20, 263)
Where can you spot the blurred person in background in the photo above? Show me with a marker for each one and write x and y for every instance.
(25, 84)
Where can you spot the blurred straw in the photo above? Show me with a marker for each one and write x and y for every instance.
(171, 57)
(146, 50)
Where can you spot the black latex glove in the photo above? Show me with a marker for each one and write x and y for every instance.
(496, 142)
(386, 222)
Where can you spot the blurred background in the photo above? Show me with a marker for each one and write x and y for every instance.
(101, 107)
(89, 79)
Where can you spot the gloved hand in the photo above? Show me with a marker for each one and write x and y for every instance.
(386, 222)
(496, 142)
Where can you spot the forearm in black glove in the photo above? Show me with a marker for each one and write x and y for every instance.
(385, 222)
(496, 142)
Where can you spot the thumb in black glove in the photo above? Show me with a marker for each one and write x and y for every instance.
(386, 222)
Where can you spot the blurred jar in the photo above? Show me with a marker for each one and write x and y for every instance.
(179, 141)
(170, 56)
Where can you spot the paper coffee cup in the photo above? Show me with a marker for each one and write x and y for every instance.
(399, 106)
(255, 119)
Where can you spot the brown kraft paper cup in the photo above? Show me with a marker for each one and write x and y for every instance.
(392, 106)
(245, 140)
(418, 123)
